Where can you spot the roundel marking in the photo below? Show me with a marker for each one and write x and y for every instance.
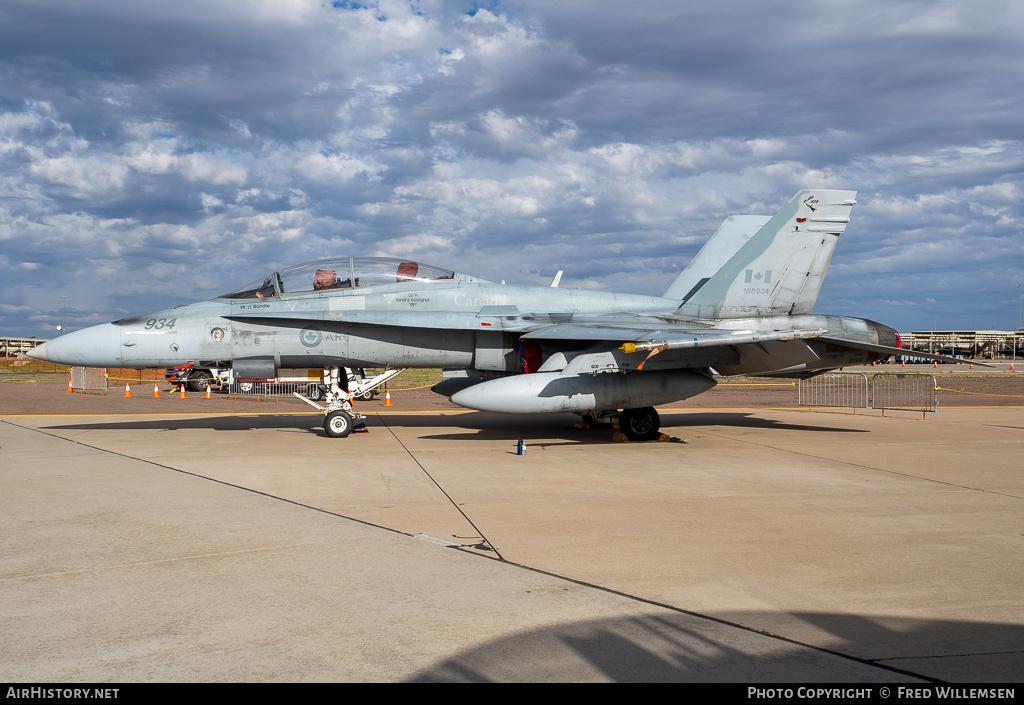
(310, 336)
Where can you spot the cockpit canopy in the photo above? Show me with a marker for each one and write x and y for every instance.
(339, 273)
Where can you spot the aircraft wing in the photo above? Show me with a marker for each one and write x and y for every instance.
(644, 332)
(700, 347)
(640, 332)
(634, 333)
(642, 338)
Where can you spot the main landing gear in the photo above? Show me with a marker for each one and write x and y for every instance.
(640, 424)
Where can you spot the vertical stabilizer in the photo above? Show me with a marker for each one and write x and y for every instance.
(731, 235)
(780, 269)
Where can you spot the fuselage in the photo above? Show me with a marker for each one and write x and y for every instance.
(437, 324)
(458, 323)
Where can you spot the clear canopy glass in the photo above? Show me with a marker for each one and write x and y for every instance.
(340, 273)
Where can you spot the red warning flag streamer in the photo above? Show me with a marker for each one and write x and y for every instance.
(663, 346)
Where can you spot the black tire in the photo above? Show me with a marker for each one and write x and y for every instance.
(246, 387)
(640, 424)
(367, 396)
(338, 424)
(198, 381)
(315, 392)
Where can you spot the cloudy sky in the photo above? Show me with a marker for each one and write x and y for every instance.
(155, 154)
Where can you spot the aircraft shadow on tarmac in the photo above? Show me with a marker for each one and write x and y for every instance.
(284, 422)
(687, 648)
(738, 419)
(475, 426)
(502, 427)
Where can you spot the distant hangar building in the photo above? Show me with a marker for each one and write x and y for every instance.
(989, 344)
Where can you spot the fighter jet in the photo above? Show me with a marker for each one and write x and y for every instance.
(741, 307)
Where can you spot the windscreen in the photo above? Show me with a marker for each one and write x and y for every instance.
(259, 289)
(340, 273)
(353, 272)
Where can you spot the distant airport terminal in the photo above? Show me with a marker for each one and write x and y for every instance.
(989, 344)
(11, 347)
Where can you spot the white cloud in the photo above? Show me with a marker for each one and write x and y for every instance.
(138, 143)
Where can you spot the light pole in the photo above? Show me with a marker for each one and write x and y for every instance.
(1016, 336)
(64, 315)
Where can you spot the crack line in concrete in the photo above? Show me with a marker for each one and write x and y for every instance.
(485, 543)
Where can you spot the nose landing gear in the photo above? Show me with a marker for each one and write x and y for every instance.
(339, 418)
(338, 423)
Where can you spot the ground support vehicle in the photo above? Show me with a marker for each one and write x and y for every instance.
(197, 378)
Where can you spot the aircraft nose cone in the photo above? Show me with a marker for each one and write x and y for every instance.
(98, 346)
(39, 353)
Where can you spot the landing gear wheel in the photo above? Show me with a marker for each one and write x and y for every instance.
(338, 424)
(199, 381)
(640, 424)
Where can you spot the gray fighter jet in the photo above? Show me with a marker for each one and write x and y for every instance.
(741, 307)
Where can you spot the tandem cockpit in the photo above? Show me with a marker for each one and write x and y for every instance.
(334, 273)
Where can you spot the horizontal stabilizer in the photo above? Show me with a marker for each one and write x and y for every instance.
(885, 349)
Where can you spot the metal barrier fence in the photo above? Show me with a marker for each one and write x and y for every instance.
(834, 389)
(914, 392)
(888, 390)
(313, 390)
(89, 379)
(275, 389)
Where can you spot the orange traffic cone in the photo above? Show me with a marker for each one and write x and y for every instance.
(935, 364)
(182, 395)
(972, 365)
(904, 364)
(208, 388)
(387, 398)
(70, 389)
(127, 391)
(156, 391)
(1011, 367)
